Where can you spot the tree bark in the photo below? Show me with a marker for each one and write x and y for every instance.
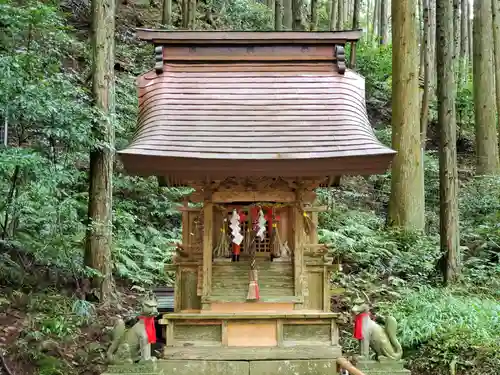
(406, 204)
(166, 19)
(287, 15)
(333, 14)
(99, 232)
(496, 35)
(448, 174)
(278, 15)
(424, 110)
(484, 90)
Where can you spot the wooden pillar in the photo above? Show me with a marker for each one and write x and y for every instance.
(208, 210)
(298, 252)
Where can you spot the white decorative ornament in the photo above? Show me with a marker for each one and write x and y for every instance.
(235, 228)
(262, 226)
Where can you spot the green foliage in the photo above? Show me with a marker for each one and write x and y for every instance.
(238, 15)
(375, 64)
(452, 327)
(48, 109)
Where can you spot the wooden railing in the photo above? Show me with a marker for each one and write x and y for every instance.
(343, 363)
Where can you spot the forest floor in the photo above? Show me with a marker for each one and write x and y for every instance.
(43, 333)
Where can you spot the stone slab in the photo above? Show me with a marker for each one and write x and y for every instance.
(134, 369)
(180, 367)
(384, 367)
(293, 367)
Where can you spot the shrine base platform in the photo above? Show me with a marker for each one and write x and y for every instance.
(226, 367)
(250, 343)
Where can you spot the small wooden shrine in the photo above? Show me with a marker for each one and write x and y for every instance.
(254, 122)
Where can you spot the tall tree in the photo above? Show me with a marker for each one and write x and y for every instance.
(355, 14)
(298, 23)
(470, 33)
(166, 19)
(333, 14)
(496, 34)
(99, 232)
(192, 14)
(340, 14)
(432, 44)
(464, 40)
(406, 204)
(425, 51)
(376, 18)
(287, 15)
(314, 15)
(484, 90)
(272, 6)
(448, 174)
(185, 13)
(278, 15)
(456, 29)
(383, 29)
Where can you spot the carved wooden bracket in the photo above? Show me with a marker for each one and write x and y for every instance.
(340, 55)
(159, 59)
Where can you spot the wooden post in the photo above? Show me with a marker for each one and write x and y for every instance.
(298, 251)
(208, 210)
(352, 62)
(326, 289)
(178, 290)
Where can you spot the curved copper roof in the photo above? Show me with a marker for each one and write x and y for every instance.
(288, 119)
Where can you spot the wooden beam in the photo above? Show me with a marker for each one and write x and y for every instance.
(253, 196)
(189, 209)
(316, 209)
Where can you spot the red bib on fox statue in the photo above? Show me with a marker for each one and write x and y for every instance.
(149, 324)
(358, 325)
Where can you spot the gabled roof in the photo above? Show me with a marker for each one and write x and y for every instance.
(212, 118)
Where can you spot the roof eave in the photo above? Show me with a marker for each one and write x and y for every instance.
(181, 169)
(158, 36)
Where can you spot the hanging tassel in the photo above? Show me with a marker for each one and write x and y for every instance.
(253, 286)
